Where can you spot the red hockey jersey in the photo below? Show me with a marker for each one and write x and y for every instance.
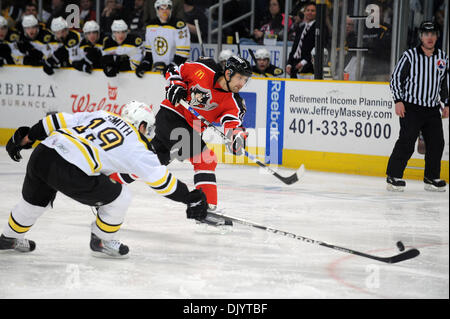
(205, 95)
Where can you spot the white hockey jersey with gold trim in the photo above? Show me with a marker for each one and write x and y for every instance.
(103, 143)
(165, 40)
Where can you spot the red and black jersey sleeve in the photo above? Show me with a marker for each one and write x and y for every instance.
(233, 112)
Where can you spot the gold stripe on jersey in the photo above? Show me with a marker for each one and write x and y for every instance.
(61, 119)
(107, 228)
(16, 226)
(182, 50)
(167, 185)
(54, 122)
(167, 189)
(49, 122)
(110, 49)
(161, 26)
(90, 154)
(185, 53)
(160, 181)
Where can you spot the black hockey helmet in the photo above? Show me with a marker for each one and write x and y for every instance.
(236, 64)
(428, 26)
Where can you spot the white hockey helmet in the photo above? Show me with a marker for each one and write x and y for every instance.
(91, 26)
(225, 55)
(136, 112)
(3, 22)
(119, 26)
(58, 24)
(262, 54)
(159, 3)
(29, 21)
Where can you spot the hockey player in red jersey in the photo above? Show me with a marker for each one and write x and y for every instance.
(214, 94)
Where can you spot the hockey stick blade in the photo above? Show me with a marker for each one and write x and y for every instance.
(409, 254)
(289, 180)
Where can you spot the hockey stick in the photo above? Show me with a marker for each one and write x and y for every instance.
(199, 36)
(238, 42)
(287, 180)
(409, 254)
(252, 55)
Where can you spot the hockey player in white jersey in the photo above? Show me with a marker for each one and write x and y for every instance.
(167, 40)
(35, 43)
(77, 155)
(90, 48)
(122, 51)
(8, 39)
(67, 46)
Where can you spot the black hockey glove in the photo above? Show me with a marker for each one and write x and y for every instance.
(196, 205)
(237, 137)
(175, 93)
(24, 46)
(13, 146)
(1, 62)
(5, 50)
(82, 65)
(110, 65)
(34, 58)
(92, 54)
(48, 68)
(110, 70)
(49, 64)
(61, 54)
(143, 67)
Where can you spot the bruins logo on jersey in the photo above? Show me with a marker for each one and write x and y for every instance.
(14, 37)
(161, 46)
(47, 38)
(180, 24)
(138, 41)
(71, 43)
(277, 71)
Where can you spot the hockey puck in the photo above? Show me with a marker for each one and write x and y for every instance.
(228, 222)
(400, 246)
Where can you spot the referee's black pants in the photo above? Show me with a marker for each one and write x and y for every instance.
(418, 118)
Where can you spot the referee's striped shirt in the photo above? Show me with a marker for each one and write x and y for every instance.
(421, 80)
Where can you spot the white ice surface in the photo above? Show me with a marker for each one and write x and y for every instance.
(172, 257)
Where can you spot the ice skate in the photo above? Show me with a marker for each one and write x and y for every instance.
(22, 245)
(434, 185)
(395, 184)
(214, 220)
(108, 248)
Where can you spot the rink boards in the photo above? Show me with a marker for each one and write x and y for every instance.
(335, 126)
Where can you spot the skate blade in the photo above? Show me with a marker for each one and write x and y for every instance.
(393, 188)
(431, 188)
(224, 223)
(104, 255)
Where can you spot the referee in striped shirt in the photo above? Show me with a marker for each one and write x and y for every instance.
(419, 82)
